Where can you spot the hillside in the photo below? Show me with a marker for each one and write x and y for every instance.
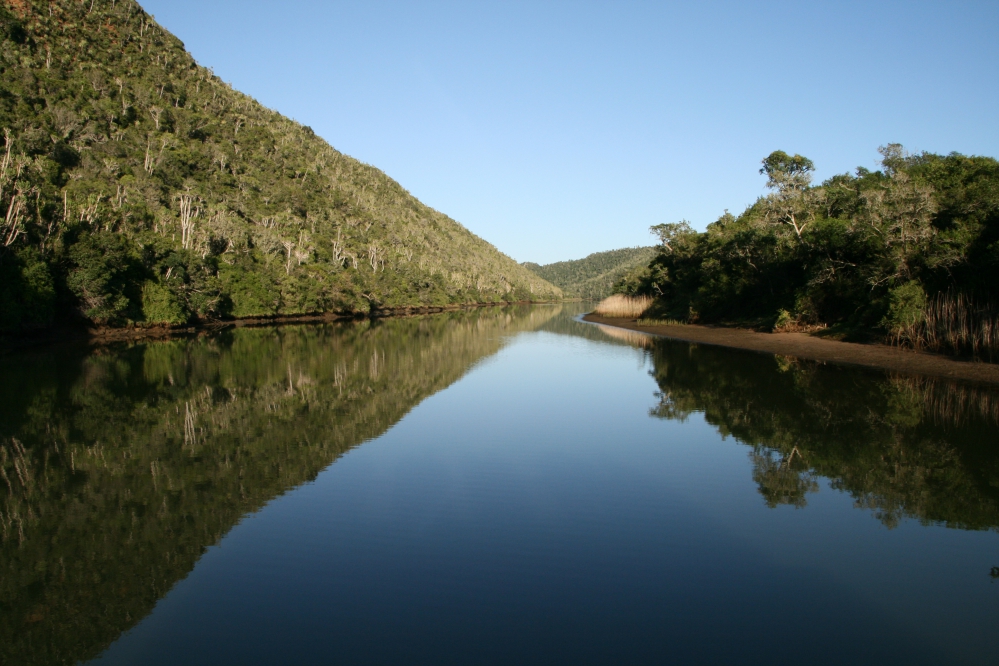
(138, 188)
(594, 276)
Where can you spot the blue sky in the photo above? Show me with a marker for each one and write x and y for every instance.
(554, 129)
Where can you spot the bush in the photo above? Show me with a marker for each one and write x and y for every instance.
(906, 307)
(160, 305)
(253, 294)
(27, 291)
(105, 277)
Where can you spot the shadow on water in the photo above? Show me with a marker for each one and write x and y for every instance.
(119, 467)
(901, 446)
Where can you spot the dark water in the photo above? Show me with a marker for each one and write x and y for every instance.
(498, 486)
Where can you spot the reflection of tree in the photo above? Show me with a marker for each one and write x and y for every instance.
(780, 479)
(118, 468)
(669, 408)
(902, 447)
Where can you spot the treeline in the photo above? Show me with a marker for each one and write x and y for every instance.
(909, 253)
(593, 277)
(137, 187)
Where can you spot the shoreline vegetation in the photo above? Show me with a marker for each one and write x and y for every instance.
(138, 189)
(907, 255)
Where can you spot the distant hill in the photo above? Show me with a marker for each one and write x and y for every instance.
(138, 188)
(594, 276)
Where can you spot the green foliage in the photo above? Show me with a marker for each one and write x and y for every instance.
(103, 275)
(594, 276)
(27, 291)
(235, 209)
(856, 251)
(906, 304)
(160, 305)
(784, 320)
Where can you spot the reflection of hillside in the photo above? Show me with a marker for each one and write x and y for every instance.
(565, 323)
(902, 447)
(119, 468)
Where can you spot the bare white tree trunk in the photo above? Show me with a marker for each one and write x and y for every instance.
(188, 215)
(12, 193)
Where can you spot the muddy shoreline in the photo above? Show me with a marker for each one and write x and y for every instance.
(98, 335)
(801, 345)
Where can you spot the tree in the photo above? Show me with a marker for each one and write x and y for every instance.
(14, 193)
(670, 233)
(899, 213)
(792, 202)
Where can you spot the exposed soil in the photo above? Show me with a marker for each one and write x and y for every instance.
(802, 345)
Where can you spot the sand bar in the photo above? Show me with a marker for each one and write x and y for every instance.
(805, 346)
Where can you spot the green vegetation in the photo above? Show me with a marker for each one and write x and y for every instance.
(594, 277)
(909, 253)
(118, 468)
(138, 188)
(902, 447)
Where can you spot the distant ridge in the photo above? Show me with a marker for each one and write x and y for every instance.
(593, 277)
(138, 188)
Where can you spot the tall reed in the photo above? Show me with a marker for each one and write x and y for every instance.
(620, 305)
(954, 323)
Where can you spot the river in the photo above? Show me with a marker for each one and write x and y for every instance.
(502, 485)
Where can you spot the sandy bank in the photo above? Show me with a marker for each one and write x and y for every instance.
(805, 346)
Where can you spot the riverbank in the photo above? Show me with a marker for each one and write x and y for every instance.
(88, 334)
(804, 346)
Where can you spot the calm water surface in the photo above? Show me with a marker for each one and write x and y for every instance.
(499, 486)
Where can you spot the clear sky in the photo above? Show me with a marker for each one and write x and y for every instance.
(557, 129)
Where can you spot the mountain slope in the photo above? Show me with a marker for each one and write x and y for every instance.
(595, 275)
(138, 187)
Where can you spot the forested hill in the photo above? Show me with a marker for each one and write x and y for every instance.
(137, 187)
(595, 275)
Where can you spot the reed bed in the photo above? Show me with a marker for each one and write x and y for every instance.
(954, 323)
(661, 322)
(620, 305)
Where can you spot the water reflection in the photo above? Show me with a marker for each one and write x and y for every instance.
(119, 467)
(902, 447)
